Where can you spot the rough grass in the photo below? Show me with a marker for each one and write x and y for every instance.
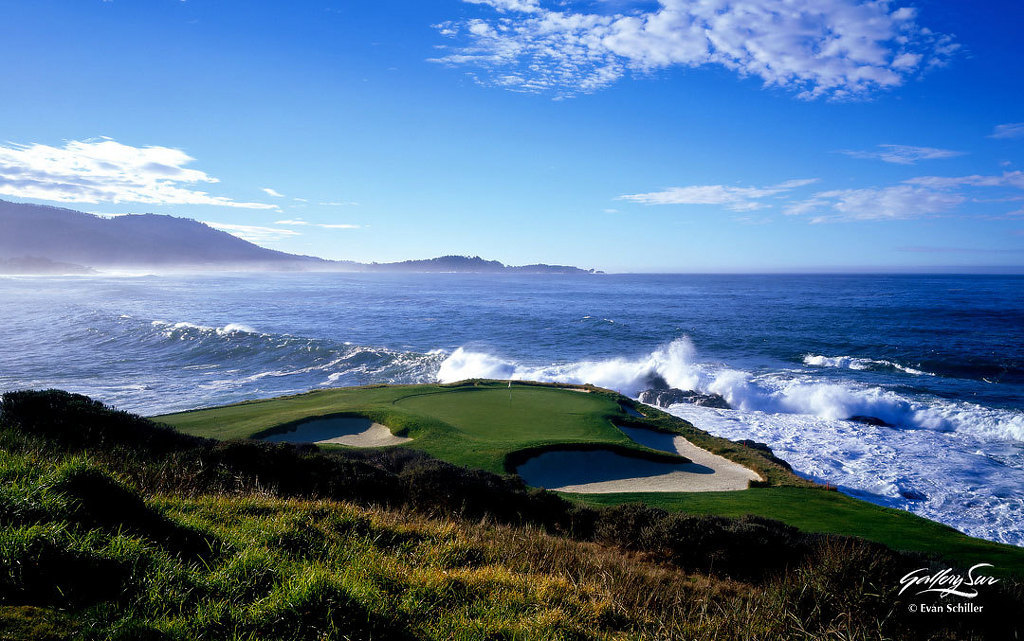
(86, 554)
(300, 569)
(831, 513)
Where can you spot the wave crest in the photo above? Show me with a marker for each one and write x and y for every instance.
(855, 363)
(772, 392)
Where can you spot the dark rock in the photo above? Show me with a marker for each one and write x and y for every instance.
(767, 451)
(654, 381)
(756, 445)
(671, 396)
(913, 495)
(870, 420)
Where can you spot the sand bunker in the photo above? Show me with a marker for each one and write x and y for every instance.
(604, 471)
(343, 430)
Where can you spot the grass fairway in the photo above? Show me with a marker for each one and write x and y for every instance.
(474, 424)
(832, 513)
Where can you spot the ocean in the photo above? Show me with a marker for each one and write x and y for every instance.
(938, 359)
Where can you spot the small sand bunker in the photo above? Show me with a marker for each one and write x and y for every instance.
(605, 472)
(343, 430)
(728, 472)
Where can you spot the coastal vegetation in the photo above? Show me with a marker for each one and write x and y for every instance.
(114, 526)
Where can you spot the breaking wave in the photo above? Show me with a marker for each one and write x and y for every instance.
(772, 392)
(852, 362)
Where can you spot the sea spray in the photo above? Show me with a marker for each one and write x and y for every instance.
(781, 393)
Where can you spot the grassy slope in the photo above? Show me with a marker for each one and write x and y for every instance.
(833, 513)
(475, 426)
(303, 570)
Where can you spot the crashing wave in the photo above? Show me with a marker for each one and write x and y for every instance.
(779, 393)
(855, 363)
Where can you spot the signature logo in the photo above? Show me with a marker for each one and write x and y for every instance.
(948, 583)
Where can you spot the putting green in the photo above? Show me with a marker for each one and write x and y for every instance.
(520, 414)
(480, 424)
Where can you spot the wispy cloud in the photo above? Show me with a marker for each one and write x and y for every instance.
(1013, 179)
(272, 192)
(105, 171)
(339, 204)
(298, 222)
(254, 233)
(817, 48)
(897, 202)
(734, 198)
(1009, 130)
(904, 154)
(919, 197)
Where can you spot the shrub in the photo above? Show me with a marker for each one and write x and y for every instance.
(633, 526)
(748, 547)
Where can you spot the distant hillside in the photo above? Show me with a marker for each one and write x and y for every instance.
(146, 240)
(475, 264)
(46, 240)
(34, 265)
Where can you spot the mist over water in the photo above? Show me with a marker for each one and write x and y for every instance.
(940, 359)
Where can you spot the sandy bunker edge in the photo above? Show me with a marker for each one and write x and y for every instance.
(339, 430)
(606, 472)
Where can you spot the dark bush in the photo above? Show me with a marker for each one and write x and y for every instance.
(747, 547)
(633, 526)
(78, 422)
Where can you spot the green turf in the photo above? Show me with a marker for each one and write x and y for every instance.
(814, 510)
(476, 425)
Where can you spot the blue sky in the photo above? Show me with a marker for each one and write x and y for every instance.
(704, 135)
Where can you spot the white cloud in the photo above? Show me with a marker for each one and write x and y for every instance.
(876, 203)
(1013, 179)
(734, 198)
(273, 192)
(340, 204)
(919, 197)
(105, 171)
(833, 48)
(1009, 130)
(904, 154)
(254, 233)
(302, 223)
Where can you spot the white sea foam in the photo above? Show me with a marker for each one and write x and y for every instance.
(944, 476)
(772, 392)
(230, 328)
(855, 363)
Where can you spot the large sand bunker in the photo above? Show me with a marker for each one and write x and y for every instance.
(604, 471)
(343, 430)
